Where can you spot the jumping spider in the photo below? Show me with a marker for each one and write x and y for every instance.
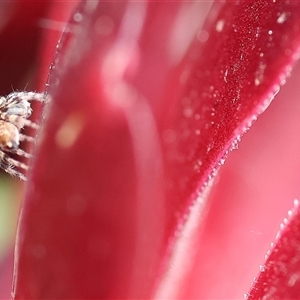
(14, 113)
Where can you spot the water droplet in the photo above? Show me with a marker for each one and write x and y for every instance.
(293, 279)
(202, 36)
(222, 161)
(257, 81)
(282, 18)
(262, 268)
(260, 73)
(77, 17)
(225, 75)
(198, 165)
(282, 80)
(187, 112)
(269, 98)
(220, 25)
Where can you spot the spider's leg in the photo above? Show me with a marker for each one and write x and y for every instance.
(19, 152)
(7, 163)
(18, 121)
(27, 96)
(14, 173)
(15, 163)
(31, 124)
(23, 153)
(26, 138)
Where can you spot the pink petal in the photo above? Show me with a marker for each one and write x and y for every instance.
(254, 190)
(279, 277)
(6, 271)
(137, 126)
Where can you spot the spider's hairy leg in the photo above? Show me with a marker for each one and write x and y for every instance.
(18, 103)
(26, 138)
(14, 173)
(26, 97)
(23, 153)
(7, 164)
(18, 121)
(31, 124)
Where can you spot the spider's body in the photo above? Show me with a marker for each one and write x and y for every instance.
(14, 113)
(9, 135)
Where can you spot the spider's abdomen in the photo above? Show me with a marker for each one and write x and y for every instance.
(9, 136)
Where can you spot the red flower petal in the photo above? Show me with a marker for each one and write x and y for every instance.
(253, 192)
(222, 114)
(279, 277)
(253, 46)
(137, 126)
(6, 271)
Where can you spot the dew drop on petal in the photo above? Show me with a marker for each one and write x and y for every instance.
(282, 18)
(262, 268)
(77, 17)
(202, 36)
(188, 112)
(220, 25)
(293, 279)
(198, 165)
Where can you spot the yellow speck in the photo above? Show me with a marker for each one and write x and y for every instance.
(70, 130)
